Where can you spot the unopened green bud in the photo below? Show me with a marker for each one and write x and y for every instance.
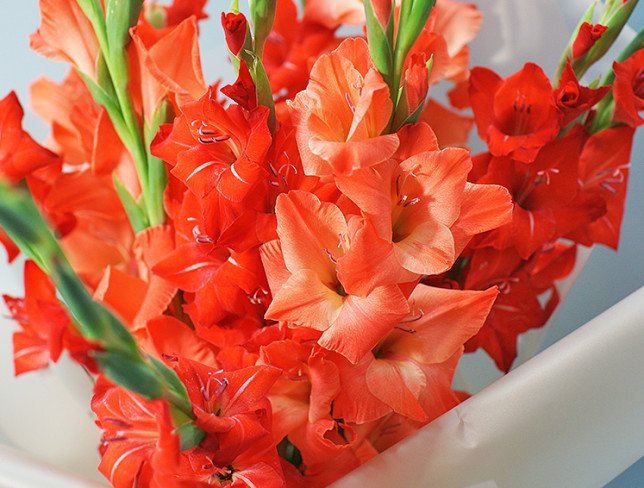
(380, 29)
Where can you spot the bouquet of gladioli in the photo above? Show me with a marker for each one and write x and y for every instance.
(273, 281)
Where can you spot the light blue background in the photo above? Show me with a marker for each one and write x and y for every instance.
(607, 278)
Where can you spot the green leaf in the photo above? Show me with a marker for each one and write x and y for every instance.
(104, 99)
(136, 215)
(131, 372)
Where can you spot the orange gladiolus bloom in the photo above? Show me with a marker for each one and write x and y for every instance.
(65, 34)
(341, 115)
(302, 270)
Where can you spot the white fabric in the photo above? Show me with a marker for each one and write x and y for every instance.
(18, 470)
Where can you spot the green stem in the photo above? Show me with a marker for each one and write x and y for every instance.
(115, 84)
(120, 358)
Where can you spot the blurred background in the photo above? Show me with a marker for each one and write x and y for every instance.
(607, 278)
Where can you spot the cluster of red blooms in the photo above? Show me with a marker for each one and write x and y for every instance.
(322, 268)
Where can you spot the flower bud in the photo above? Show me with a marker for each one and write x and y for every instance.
(235, 30)
(380, 24)
(586, 37)
(383, 10)
(243, 91)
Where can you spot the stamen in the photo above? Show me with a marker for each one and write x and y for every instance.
(213, 140)
(110, 440)
(412, 202)
(505, 285)
(255, 298)
(331, 256)
(350, 102)
(201, 238)
(543, 176)
(288, 167)
(409, 331)
(118, 422)
(419, 315)
(206, 132)
(221, 388)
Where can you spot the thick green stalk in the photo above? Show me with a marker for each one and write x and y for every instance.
(119, 357)
(112, 92)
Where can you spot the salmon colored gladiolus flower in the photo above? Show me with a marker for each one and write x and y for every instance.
(341, 115)
(410, 370)
(308, 291)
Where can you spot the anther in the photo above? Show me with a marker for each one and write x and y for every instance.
(412, 202)
(420, 314)
(331, 256)
(409, 331)
(348, 99)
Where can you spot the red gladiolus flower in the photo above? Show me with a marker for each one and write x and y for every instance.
(20, 155)
(548, 203)
(256, 466)
(215, 148)
(603, 174)
(132, 428)
(516, 116)
(46, 329)
(629, 90)
(518, 307)
(231, 404)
